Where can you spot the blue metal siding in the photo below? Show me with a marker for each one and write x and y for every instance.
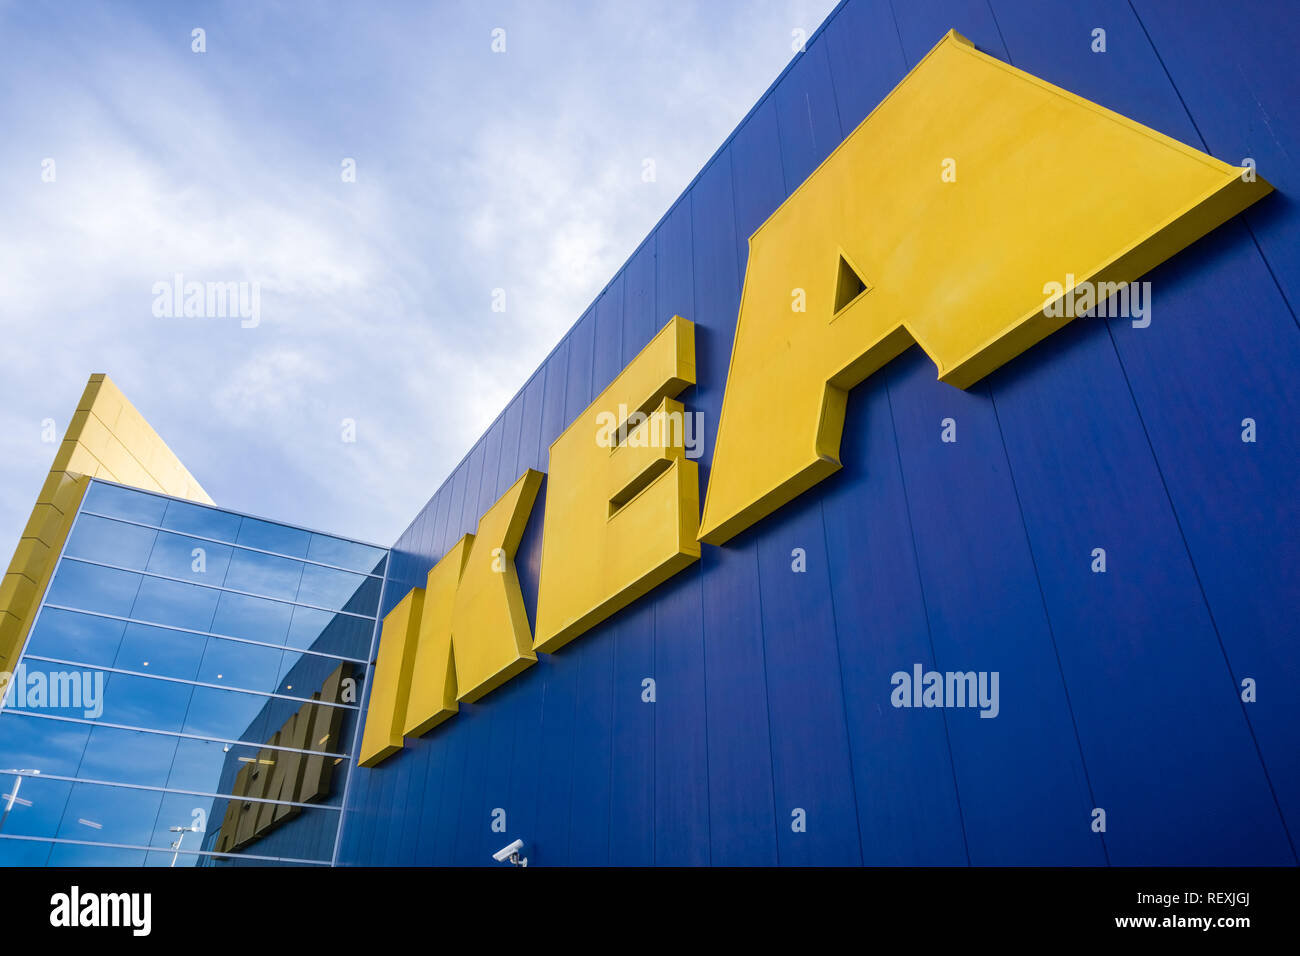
(1119, 690)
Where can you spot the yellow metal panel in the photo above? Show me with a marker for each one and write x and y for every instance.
(620, 519)
(433, 683)
(16, 590)
(44, 519)
(1049, 188)
(105, 399)
(118, 461)
(31, 559)
(10, 634)
(489, 624)
(91, 434)
(391, 680)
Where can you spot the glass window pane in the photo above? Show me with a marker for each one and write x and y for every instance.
(30, 743)
(273, 537)
(127, 756)
(345, 554)
(109, 814)
(92, 588)
(202, 764)
(235, 664)
(160, 652)
(112, 542)
(23, 852)
(70, 636)
(124, 503)
(339, 590)
(264, 574)
(171, 602)
(57, 690)
(145, 702)
(226, 714)
(252, 618)
(72, 854)
(37, 804)
(196, 519)
(190, 558)
(178, 815)
(329, 633)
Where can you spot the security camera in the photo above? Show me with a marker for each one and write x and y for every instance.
(510, 854)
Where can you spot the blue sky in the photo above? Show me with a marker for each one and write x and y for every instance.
(475, 171)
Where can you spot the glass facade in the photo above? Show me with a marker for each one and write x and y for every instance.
(189, 692)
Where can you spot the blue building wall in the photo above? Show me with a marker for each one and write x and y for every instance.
(1118, 690)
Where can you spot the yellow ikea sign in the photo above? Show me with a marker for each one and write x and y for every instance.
(939, 221)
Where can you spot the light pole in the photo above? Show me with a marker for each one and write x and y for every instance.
(177, 844)
(13, 797)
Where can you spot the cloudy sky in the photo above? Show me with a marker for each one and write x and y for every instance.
(476, 170)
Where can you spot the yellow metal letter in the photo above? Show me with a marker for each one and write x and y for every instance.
(391, 681)
(433, 685)
(489, 625)
(1055, 193)
(621, 516)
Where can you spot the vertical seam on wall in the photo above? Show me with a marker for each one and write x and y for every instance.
(1205, 146)
(1029, 546)
(654, 619)
(929, 632)
(617, 629)
(911, 530)
(699, 581)
(1047, 616)
(826, 546)
(839, 666)
(1160, 471)
(893, 14)
(758, 572)
(1191, 560)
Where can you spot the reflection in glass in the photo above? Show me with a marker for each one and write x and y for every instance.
(205, 522)
(160, 652)
(145, 702)
(72, 854)
(89, 587)
(109, 814)
(69, 636)
(127, 756)
(264, 574)
(255, 619)
(177, 556)
(50, 746)
(346, 554)
(328, 633)
(111, 542)
(124, 503)
(170, 602)
(266, 536)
